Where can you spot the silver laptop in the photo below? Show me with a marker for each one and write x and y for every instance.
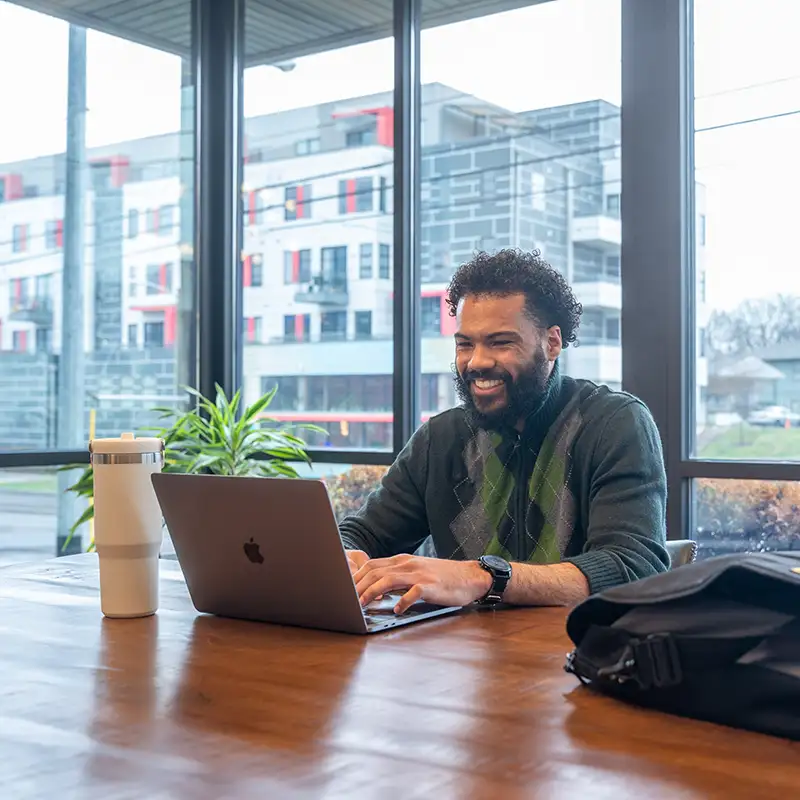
(268, 549)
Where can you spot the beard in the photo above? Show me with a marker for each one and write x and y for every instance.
(523, 394)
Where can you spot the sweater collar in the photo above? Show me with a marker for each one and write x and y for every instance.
(541, 417)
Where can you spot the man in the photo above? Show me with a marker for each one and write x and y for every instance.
(539, 489)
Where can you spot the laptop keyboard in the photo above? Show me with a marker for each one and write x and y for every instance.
(382, 611)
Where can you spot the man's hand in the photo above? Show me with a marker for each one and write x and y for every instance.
(355, 560)
(435, 580)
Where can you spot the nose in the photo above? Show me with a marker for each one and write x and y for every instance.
(481, 360)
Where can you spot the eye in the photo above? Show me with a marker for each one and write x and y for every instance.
(502, 342)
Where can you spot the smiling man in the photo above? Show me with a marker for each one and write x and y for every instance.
(538, 489)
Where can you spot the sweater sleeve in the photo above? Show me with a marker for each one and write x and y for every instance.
(626, 531)
(394, 518)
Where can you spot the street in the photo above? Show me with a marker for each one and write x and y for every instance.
(27, 526)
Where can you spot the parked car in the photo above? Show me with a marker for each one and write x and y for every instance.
(774, 416)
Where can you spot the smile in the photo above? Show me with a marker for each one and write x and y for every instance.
(487, 387)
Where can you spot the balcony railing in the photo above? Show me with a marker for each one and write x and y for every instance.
(38, 310)
(322, 292)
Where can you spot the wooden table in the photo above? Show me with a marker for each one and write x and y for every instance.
(186, 706)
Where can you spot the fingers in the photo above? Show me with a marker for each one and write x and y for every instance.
(374, 586)
(408, 599)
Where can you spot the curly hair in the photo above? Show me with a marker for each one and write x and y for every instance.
(549, 300)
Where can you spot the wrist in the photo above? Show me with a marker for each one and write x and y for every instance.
(481, 579)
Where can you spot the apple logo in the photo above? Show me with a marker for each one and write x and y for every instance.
(253, 552)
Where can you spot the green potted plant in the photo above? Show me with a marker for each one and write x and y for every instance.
(214, 438)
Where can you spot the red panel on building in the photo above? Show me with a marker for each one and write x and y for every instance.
(59, 233)
(251, 329)
(17, 289)
(247, 271)
(162, 277)
(385, 126)
(120, 168)
(170, 325)
(251, 208)
(351, 196)
(14, 188)
(299, 327)
(23, 341)
(447, 323)
(300, 208)
(296, 266)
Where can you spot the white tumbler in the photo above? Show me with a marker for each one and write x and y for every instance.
(127, 523)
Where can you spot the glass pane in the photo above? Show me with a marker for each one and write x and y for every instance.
(746, 516)
(747, 391)
(514, 159)
(348, 485)
(28, 514)
(96, 317)
(317, 211)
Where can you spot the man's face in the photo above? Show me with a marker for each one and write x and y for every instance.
(503, 359)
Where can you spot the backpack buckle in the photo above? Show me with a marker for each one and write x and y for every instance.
(653, 662)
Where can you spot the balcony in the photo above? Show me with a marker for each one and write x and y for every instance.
(38, 310)
(323, 293)
(599, 231)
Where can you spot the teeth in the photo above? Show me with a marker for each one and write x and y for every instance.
(488, 384)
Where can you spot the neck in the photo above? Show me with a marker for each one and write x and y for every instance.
(542, 412)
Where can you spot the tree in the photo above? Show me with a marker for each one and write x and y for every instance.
(754, 325)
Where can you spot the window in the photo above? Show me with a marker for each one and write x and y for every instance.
(153, 280)
(334, 267)
(151, 220)
(384, 261)
(297, 202)
(253, 329)
(148, 167)
(746, 516)
(132, 281)
(363, 324)
(297, 266)
(166, 219)
(297, 327)
(154, 334)
(747, 301)
(365, 260)
(360, 138)
(306, 146)
(133, 336)
(384, 195)
(539, 179)
(19, 341)
(44, 340)
(341, 150)
(256, 271)
(431, 316)
(333, 325)
(355, 195)
(53, 234)
(612, 266)
(19, 239)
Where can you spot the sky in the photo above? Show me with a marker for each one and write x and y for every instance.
(747, 65)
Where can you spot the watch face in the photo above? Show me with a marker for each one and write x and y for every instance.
(496, 563)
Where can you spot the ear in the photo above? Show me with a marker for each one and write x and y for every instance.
(553, 343)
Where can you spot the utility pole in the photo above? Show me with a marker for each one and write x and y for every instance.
(70, 433)
(186, 336)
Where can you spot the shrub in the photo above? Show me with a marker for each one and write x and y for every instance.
(349, 490)
(755, 516)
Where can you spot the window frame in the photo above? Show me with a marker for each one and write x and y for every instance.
(658, 233)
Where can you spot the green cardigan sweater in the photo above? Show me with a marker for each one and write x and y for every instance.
(583, 483)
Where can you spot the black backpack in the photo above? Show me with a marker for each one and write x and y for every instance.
(717, 640)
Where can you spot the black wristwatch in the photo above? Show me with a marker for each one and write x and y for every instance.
(500, 570)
